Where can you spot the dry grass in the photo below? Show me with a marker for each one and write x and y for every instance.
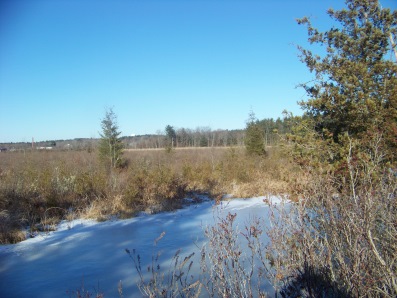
(337, 240)
(73, 182)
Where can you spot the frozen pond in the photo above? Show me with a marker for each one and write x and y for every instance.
(93, 254)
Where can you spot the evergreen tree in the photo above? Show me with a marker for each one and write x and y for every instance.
(254, 136)
(170, 137)
(110, 145)
(355, 86)
(346, 143)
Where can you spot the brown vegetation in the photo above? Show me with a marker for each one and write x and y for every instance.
(232, 264)
(337, 240)
(39, 187)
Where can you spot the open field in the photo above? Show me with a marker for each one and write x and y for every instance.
(185, 148)
(39, 188)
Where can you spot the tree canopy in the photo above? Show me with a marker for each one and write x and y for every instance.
(341, 235)
(355, 87)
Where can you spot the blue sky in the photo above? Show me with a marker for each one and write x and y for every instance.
(185, 63)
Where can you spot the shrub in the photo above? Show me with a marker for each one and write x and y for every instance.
(340, 237)
(232, 264)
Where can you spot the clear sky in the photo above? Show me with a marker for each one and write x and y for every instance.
(185, 63)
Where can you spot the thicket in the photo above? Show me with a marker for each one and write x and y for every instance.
(340, 238)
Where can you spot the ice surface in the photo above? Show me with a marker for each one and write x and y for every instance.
(92, 254)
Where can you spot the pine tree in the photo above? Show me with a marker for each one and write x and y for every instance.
(110, 145)
(254, 136)
(170, 137)
(345, 221)
(355, 88)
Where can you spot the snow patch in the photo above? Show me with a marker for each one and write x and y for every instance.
(93, 253)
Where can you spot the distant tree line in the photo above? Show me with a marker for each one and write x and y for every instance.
(184, 137)
(206, 137)
(71, 144)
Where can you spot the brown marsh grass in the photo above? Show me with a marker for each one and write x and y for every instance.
(37, 187)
